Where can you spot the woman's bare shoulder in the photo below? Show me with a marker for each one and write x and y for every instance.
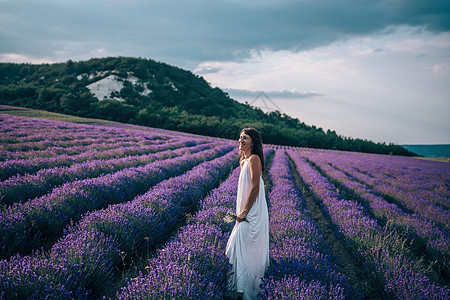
(254, 159)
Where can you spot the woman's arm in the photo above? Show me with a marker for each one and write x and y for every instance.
(255, 175)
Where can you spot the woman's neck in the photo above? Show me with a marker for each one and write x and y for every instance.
(247, 154)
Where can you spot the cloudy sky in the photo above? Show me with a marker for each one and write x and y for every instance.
(378, 70)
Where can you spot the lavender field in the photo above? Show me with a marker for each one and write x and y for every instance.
(122, 212)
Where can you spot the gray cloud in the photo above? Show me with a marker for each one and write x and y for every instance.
(208, 70)
(236, 93)
(188, 32)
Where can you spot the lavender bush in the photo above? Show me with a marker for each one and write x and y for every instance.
(10, 168)
(101, 238)
(119, 191)
(435, 238)
(367, 235)
(419, 186)
(174, 266)
(21, 188)
(38, 222)
(299, 255)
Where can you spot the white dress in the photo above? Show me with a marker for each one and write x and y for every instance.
(248, 245)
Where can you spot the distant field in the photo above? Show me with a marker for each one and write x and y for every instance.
(124, 211)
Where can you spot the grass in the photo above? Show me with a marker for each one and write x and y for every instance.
(41, 114)
(440, 158)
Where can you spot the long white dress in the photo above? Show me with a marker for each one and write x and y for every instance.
(248, 245)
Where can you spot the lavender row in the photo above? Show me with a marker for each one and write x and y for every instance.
(299, 255)
(21, 136)
(23, 166)
(30, 225)
(435, 238)
(61, 142)
(28, 129)
(410, 174)
(77, 149)
(21, 188)
(57, 130)
(83, 262)
(193, 264)
(16, 129)
(384, 253)
(428, 180)
(417, 204)
(42, 145)
(412, 199)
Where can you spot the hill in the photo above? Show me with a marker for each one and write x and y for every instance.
(145, 92)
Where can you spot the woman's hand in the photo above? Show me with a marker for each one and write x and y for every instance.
(241, 216)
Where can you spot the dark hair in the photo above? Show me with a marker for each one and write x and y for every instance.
(257, 148)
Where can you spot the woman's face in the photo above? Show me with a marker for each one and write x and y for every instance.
(245, 142)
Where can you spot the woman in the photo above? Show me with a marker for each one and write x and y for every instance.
(248, 245)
